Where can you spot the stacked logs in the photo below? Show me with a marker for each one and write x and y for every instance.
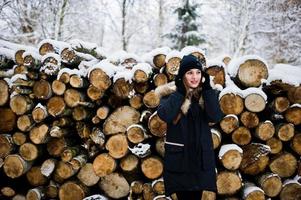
(76, 123)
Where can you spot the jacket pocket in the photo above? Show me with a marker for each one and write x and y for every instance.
(173, 158)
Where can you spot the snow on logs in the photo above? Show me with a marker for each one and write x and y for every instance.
(76, 118)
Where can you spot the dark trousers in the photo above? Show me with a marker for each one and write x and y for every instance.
(189, 195)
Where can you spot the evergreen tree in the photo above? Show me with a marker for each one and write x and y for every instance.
(187, 30)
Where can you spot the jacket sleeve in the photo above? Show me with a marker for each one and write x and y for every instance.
(212, 107)
(170, 106)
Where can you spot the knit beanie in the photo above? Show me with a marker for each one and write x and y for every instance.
(187, 63)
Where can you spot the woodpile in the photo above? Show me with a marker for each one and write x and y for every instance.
(79, 124)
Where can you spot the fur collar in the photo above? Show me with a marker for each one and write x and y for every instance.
(169, 88)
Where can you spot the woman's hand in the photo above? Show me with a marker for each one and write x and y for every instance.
(206, 85)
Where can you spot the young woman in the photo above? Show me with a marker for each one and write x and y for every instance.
(189, 161)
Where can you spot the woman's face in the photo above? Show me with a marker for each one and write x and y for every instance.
(193, 78)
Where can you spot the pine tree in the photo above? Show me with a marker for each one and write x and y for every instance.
(187, 30)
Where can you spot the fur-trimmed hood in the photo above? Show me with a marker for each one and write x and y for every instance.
(169, 88)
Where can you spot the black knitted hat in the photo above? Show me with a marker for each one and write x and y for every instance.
(187, 63)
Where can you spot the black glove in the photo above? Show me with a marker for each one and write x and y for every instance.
(206, 85)
(180, 87)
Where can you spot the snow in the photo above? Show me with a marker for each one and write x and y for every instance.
(216, 132)
(232, 115)
(7, 73)
(105, 66)
(214, 86)
(16, 47)
(232, 88)
(39, 105)
(85, 56)
(96, 197)
(53, 55)
(101, 51)
(162, 70)
(148, 57)
(268, 121)
(121, 56)
(84, 65)
(8, 53)
(271, 175)
(58, 46)
(135, 125)
(215, 62)
(141, 150)
(126, 74)
(69, 71)
(162, 50)
(295, 180)
(286, 73)
(227, 147)
(147, 68)
(298, 105)
(251, 189)
(162, 196)
(263, 149)
(50, 69)
(156, 181)
(47, 168)
(172, 54)
(34, 54)
(14, 93)
(143, 114)
(18, 76)
(132, 93)
(254, 90)
(191, 49)
(77, 43)
(234, 64)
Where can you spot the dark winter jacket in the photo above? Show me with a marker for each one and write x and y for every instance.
(189, 161)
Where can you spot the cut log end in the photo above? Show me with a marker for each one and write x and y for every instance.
(231, 104)
(159, 60)
(115, 185)
(229, 124)
(157, 126)
(104, 164)
(14, 166)
(4, 93)
(117, 145)
(251, 72)
(71, 191)
(152, 167)
(228, 183)
(255, 103)
(287, 160)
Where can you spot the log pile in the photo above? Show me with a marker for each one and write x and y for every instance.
(79, 124)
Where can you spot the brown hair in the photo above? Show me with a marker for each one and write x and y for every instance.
(195, 93)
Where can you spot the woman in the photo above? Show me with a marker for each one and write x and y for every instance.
(189, 161)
